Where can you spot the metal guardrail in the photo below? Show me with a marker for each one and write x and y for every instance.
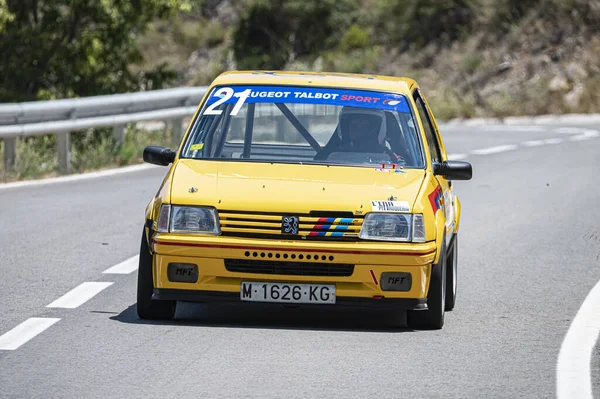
(61, 117)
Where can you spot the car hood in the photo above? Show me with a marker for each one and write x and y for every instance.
(266, 187)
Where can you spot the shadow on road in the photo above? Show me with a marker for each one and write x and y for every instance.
(276, 317)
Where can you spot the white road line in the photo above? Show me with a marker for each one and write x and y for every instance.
(592, 133)
(587, 134)
(579, 138)
(532, 143)
(79, 295)
(573, 374)
(509, 129)
(456, 157)
(126, 267)
(569, 130)
(494, 150)
(25, 331)
(81, 176)
(553, 141)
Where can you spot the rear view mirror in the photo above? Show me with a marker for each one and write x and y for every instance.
(158, 155)
(454, 170)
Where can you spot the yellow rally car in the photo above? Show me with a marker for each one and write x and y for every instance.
(305, 188)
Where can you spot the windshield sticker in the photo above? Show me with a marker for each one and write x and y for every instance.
(239, 95)
(388, 170)
(196, 147)
(392, 168)
(390, 206)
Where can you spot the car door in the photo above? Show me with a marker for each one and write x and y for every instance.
(441, 197)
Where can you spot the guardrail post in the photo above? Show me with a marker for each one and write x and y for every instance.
(63, 148)
(10, 153)
(176, 132)
(119, 134)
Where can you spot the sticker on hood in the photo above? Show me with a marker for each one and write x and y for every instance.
(390, 206)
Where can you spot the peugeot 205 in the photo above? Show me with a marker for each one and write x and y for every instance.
(307, 189)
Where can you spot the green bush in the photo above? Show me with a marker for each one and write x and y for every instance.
(355, 61)
(261, 39)
(90, 150)
(36, 156)
(471, 62)
(355, 38)
(579, 13)
(413, 24)
(213, 33)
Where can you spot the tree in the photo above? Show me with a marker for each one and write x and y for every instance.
(416, 23)
(271, 33)
(69, 48)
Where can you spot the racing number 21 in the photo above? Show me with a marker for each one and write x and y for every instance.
(225, 94)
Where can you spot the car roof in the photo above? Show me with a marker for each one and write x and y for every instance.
(317, 79)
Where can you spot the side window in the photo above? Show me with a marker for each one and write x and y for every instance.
(432, 143)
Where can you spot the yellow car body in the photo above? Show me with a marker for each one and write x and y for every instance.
(250, 197)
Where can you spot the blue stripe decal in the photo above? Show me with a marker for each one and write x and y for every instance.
(346, 220)
(334, 234)
(311, 95)
(341, 227)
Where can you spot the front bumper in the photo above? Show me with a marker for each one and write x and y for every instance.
(232, 297)
(361, 288)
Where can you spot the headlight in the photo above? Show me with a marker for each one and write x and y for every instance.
(189, 219)
(393, 227)
(195, 220)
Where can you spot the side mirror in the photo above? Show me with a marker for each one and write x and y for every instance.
(454, 170)
(158, 155)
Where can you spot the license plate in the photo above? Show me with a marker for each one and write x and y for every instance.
(287, 293)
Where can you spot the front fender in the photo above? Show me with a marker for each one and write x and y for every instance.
(162, 196)
(149, 213)
(457, 209)
(440, 233)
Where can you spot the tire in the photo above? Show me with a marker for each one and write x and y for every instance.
(148, 308)
(433, 317)
(452, 275)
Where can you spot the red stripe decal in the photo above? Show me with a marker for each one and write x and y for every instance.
(333, 251)
(374, 278)
(433, 198)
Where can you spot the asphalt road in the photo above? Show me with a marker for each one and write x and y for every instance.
(529, 255)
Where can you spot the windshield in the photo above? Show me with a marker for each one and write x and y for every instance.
(305, 125)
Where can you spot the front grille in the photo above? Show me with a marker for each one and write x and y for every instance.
(289, 268)
(333, 226)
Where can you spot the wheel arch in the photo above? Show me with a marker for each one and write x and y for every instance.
(457, 209)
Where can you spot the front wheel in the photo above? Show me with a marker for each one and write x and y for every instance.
(148, 308)
(433, 317)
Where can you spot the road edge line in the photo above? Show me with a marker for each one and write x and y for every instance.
(81, 176)
(573, 367)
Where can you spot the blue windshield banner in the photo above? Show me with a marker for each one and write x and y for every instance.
(303, 95)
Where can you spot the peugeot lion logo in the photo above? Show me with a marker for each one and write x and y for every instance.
(289, 225)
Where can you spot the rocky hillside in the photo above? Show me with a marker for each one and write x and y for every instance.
(473, 57)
